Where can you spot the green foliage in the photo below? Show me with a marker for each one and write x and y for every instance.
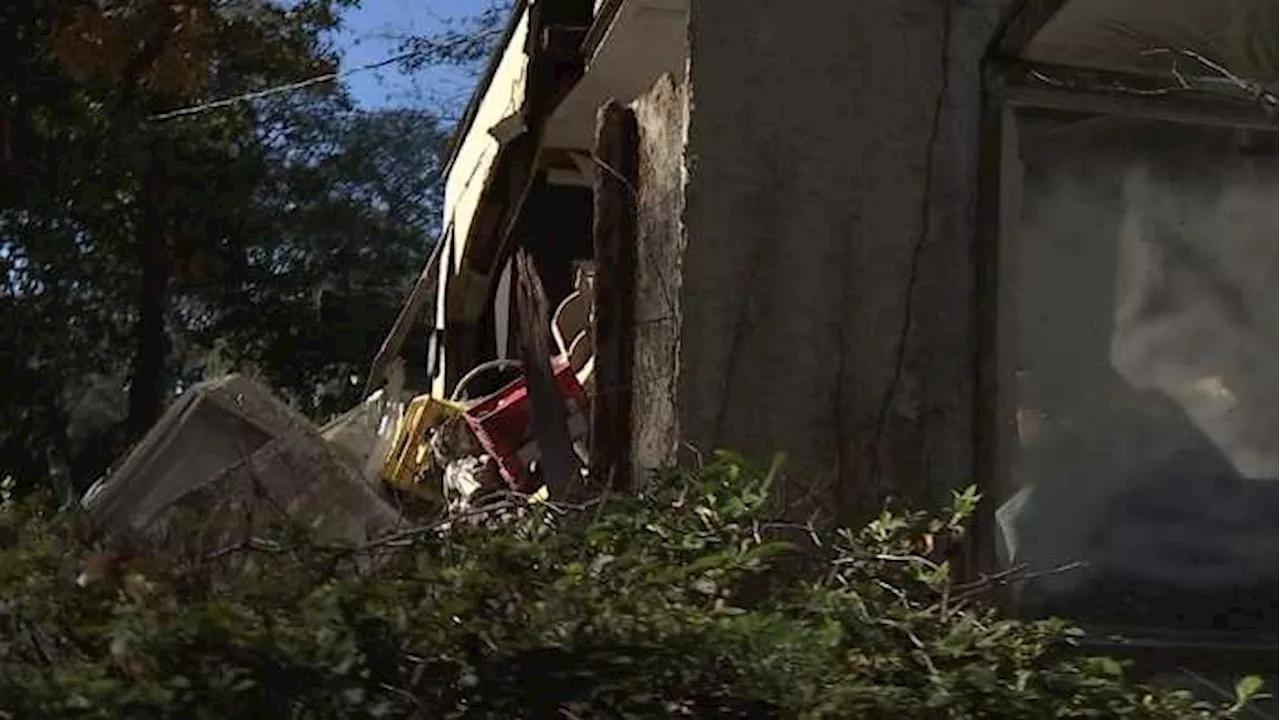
(342, 223)
(645, 606)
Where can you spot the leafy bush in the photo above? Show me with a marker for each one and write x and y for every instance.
(648, 606)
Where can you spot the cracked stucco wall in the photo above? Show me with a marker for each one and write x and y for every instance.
(811, 138)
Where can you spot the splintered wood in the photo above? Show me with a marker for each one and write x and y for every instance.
(617, 154)
(548, 415)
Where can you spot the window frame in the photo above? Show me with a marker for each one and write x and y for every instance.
(1009, 87)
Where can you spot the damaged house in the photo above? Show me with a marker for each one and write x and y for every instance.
(1025, 243)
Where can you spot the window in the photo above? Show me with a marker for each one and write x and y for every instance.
(1136, 347)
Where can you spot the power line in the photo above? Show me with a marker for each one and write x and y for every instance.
(290, 87)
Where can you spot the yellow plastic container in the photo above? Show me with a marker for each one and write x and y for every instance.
(410, 454)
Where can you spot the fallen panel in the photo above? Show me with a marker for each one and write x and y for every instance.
(231, 443)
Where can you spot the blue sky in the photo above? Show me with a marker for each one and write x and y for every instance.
(370, 34)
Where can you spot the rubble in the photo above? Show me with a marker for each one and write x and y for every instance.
(228, 456)
(500, 423)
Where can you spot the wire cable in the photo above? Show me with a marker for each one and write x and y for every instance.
(267, 92)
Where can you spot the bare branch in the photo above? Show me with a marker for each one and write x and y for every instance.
(1254, 89)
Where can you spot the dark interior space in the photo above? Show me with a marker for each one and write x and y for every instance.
(556, 230)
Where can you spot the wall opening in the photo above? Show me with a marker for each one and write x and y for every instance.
(555, 228)
(557, 233)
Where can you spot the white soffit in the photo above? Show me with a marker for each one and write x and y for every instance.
(1147, 36)
(645, 40)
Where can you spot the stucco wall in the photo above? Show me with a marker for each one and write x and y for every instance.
(811, 127)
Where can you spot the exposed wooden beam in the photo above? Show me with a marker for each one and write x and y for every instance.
(548, 415)
(615, 237)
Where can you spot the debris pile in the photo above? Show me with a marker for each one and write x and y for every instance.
(228, 449)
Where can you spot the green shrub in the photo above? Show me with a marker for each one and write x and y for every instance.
(649, 606)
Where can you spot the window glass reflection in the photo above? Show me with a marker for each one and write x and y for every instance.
(1145, 294)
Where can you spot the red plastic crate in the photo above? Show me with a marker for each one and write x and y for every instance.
(501, 423)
